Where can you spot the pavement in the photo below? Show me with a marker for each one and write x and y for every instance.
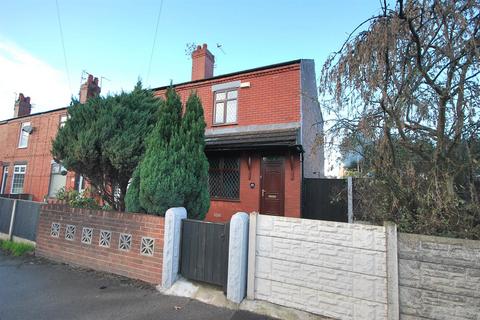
(36, 288)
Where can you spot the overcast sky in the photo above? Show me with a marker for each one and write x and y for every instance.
(114, 40)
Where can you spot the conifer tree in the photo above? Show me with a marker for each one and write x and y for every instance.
(103, 140)
(174, 171)
(160, 170)
(194, 160)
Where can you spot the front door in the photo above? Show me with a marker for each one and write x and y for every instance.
(272, 186)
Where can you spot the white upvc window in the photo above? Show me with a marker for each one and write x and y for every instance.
(63, 120)
(18, 178)
(225, 106)
(23, 140)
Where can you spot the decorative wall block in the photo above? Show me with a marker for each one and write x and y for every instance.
(55, 230)
(147, 246)
(105, 238)
(70, 232)
(87, 234)
(125, 242)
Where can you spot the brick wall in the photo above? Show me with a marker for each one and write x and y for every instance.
(130, 263)
(439, 277)
(327, 268)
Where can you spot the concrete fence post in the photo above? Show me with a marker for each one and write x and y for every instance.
(171, 245)
(12, 220)
(392, 271)
(252, 247)
(237, 257)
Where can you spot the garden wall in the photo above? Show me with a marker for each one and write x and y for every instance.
(127, 244)
(327, 268)
(439, 277)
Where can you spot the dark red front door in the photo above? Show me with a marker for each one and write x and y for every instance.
(273, 186)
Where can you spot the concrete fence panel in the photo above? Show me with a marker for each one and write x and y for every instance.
(327, 268)
(439, 277)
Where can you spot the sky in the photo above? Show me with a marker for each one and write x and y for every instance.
(114, 40)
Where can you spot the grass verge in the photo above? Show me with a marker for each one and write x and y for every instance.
(15, 248)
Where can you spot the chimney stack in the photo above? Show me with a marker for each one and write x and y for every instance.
(89, 89)
(202, 63)
(22, 106)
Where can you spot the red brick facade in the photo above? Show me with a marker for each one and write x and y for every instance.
(36, 155)
(272, 97)
(250, 198)
(129, 263)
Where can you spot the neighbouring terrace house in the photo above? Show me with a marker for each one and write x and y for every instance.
(26, 164)
(264, 134)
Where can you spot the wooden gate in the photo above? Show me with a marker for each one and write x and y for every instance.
(204, 252)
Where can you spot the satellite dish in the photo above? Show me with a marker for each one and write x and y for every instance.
(28, 129)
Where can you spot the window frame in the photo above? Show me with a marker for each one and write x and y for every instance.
(20, 145)
(61, 122)
(224, 101)
(18, 173)
(79, 183)
(221, 170)
(56, 169)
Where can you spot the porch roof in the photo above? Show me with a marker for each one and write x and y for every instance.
(287, 138)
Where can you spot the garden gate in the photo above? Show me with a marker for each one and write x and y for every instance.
(204, 251)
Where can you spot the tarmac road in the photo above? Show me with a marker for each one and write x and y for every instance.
(35, 288)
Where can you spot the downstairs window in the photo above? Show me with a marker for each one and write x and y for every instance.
(224, 178)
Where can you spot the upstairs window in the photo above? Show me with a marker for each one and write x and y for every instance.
(24, 134)
(224, 178)
(225, 107)
(63, 120)
(18, 178)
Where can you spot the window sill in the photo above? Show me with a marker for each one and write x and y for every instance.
(23, 147)
(224, 200)
(225, 124)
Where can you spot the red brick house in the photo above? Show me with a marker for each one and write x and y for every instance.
(264, 127)
(263, 131)
(26, 165)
